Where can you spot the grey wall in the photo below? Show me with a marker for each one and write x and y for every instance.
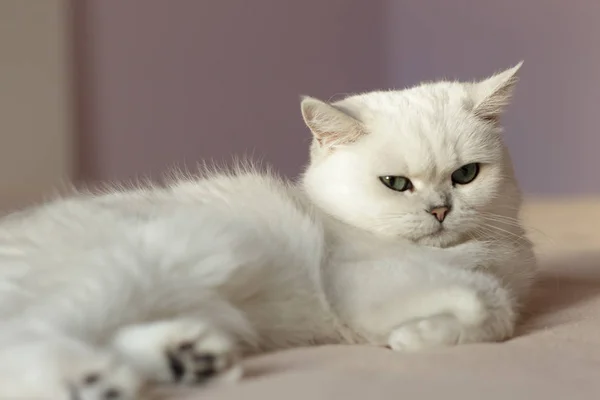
(171, 82)
(552, 126)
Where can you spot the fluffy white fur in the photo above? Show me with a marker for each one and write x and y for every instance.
(101, 293)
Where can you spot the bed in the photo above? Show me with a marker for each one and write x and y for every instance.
(556, 354)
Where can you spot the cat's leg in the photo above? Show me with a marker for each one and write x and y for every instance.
(37, 361)
(40, 363)
(180, 350)
(198, 346)
(476, 309)
(109, 338)
(471, 293)
(424, 298)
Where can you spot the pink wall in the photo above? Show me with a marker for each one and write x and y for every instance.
(172, 82)
(553, 123)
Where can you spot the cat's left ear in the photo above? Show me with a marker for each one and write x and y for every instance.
(492, 95)
(330, 125)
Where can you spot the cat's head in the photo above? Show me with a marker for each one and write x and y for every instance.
(427, 164)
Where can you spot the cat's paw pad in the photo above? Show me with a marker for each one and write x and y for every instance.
(205, 355)
(187, 351)
(118, 383)
(436, 331)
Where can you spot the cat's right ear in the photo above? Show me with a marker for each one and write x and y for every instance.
(329, 125)
(492, 95)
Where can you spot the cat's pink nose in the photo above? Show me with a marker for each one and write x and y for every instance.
(440, 212)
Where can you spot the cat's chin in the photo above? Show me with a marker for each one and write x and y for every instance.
(440, 238)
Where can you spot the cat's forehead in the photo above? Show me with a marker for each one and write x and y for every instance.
(426, 100)
(416, 156)
(426, 128)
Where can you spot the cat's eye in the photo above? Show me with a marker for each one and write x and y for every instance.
(465, 174)
(397, 183)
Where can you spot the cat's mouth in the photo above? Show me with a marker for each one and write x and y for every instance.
(436, 233)
(440, 230)
(441, 236)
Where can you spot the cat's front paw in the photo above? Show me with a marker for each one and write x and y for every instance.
(455, 316)
(436, 331)
(188, 351)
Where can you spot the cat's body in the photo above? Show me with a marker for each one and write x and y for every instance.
(166, 283)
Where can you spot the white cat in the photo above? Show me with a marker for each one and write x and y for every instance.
(404, 232)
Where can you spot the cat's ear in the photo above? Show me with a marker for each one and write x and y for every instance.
(492, 95)
(329, 125)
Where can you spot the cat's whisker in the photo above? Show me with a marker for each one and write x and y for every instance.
(516, 223)
(489, 230)
(500, 216)
(501, 221)
(495, 230)
(505, 223)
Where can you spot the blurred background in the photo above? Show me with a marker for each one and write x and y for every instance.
(95, 90)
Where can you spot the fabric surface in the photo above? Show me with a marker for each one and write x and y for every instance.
(556, 354)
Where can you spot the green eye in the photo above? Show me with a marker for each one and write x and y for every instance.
(397, 183)
(465, 174)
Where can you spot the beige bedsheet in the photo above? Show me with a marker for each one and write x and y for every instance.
(556, 354)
